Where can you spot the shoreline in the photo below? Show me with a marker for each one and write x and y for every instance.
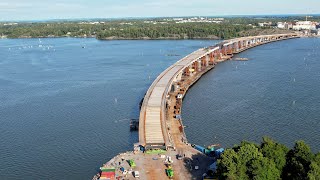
(133, 39)
(116, 38)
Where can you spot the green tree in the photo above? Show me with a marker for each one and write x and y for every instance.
(263, 168)
(274, 151)
(298, 162)
(228, 164)
(314, 173)
(235, 162)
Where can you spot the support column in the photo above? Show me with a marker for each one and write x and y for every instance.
(207, 59)
(199, 65)
(203, 62)
(211, 56)
(229, 49)
(195, 67)
(192, 69)
(186, 71)
(219, 52)
(224, 50)
(235, 47)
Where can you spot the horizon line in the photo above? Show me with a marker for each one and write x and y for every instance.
(154, 17)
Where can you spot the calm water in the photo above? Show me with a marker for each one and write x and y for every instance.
(65, 110)
(276, 93)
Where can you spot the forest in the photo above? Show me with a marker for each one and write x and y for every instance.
(269, 160)
(138, 29)
(124, 31)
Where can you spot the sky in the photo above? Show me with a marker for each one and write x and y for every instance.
(71, 9)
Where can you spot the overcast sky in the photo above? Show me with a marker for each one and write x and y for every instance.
(65, 9)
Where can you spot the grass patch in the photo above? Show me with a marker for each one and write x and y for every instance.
(159, 151)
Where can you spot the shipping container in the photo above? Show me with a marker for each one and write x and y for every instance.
(106, 169)
(200, 148)
(107, 174)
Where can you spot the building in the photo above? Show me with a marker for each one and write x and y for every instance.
(305, 25)
(282, 25)
(264, 24)
(285, 25)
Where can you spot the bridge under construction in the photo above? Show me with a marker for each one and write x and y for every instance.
(166, 92)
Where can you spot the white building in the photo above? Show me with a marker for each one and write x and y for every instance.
(284, 25)
(304, 25)
(265, 24)
(281, 25)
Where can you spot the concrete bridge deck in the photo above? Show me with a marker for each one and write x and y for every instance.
(153, 129)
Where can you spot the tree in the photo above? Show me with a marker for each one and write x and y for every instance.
(275, 152)
(235, 162)
(270, 160)
(298, 161)
(314, 173)
(263, 168)
(228, 164)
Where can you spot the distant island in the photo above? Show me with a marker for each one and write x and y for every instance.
(157, 28)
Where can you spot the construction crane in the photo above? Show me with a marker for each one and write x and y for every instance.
(309, 17)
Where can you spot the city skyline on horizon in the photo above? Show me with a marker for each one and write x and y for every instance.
(19, 10)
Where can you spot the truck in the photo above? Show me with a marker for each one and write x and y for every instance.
(132, 163)
(136, 174)
(169, 172)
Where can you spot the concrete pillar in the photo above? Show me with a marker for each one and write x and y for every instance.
(225, 50)
(203, 61)
(211, 58)
(199, 66)
(220, 53)
(186, 71)
(194, 67)
(191, 70)
(207, 59)
(236, 46)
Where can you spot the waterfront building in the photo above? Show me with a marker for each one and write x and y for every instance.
(305, 25)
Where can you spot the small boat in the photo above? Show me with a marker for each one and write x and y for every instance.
(134, 124)
(240, 59)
